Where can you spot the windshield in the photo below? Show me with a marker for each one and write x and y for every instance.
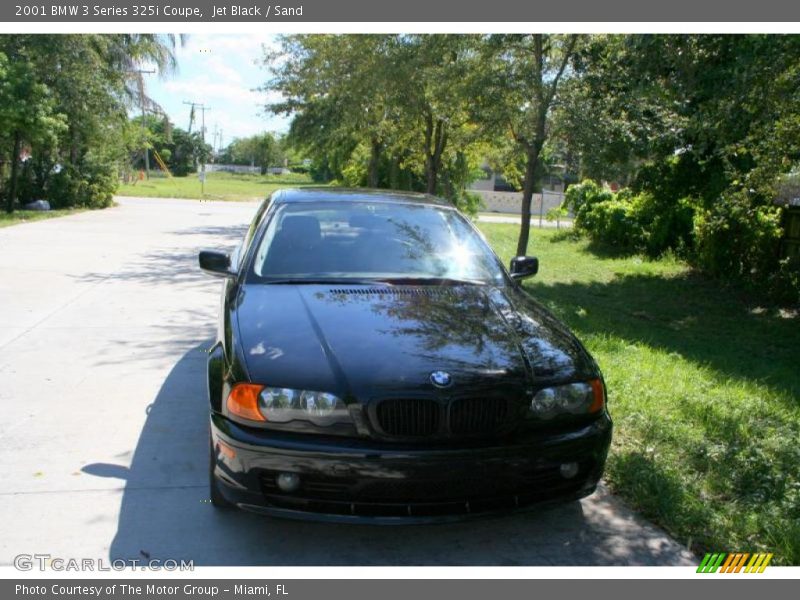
(383, 241)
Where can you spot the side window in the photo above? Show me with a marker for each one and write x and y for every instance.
(251, 232)
(241, 250)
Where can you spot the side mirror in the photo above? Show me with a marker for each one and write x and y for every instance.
(216, 263)
(524, 266)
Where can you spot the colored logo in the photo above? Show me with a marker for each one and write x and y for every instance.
(441, 379)
(735, 562)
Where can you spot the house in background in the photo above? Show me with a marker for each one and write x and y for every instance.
(494, 181)
(498, 195)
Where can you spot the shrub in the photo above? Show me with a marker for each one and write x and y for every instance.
(580, 197)
(664, 225)
(63, 189)
(739, 241)
(556, 213)
(354, 172)
(642, 222)
(92, 185)
(612, 222)
(736, 239)
(28, 188)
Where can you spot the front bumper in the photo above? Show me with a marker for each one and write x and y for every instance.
(366, 481)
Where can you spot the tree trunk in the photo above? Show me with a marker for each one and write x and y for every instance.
(544, 91)
(431, 175)
(12, 188)
(530, 186)
(373, 175)
(394, 173)
(435, 143)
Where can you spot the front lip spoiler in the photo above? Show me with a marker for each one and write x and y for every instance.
(299, 515)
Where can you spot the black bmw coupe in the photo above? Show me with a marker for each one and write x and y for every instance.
(376, 362)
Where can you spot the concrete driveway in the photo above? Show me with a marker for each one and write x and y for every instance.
(104, 320)
(515, 219)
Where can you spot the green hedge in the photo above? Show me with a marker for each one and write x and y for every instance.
(737, 238)
(92, 185)
(637, 222)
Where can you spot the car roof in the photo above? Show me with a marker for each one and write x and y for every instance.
(327, 194)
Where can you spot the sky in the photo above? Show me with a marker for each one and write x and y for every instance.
(222, 72)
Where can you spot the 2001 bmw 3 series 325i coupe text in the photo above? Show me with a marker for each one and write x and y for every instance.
(375, 362)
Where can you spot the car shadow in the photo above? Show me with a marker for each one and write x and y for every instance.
(165, 513)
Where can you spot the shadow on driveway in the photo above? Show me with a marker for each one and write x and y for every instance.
(174, 264)
(165, 513)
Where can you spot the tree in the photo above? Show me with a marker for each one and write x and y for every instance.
(124, 54)
(702, 126)
(182, 151)
(338, 91)
(516, 92)
(385, 110)
(722, 104)
(435, 100)
(64, 102)
(26, 107)
(261, 150)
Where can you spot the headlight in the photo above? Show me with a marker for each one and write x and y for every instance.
(571, 399)
(281, 405)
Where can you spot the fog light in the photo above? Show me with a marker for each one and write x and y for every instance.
(226, 450)
(569, 470)
(288, 482)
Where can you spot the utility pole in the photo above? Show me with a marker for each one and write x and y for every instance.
(141, 73)
(214, 146)
(203, 108)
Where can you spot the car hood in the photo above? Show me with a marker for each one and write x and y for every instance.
(374, 341)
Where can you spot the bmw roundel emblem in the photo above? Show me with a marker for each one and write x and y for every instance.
(441, 378)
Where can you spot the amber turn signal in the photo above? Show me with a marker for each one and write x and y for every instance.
(599, 396)
(243, 401)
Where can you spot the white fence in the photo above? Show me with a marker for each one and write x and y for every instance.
(511, 202)
(211, 168)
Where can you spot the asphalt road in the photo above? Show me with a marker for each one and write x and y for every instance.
(104, 319)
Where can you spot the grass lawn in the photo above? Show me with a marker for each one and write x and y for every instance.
(704, 390)
(26, 216)
(219, 186)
